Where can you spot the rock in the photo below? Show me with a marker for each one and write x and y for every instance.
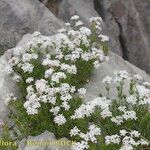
(21, 17)
(67, 8)
(45, 141)
(116, 63)
(83, 8)
(128, 24)
(6, 85)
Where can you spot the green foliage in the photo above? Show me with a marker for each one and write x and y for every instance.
(144, 126)
(84, 70)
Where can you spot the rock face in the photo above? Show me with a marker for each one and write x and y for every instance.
(65, 9)
(6, 85)
(45, 141)
(128, 24)
(18, 17)
(83, 8)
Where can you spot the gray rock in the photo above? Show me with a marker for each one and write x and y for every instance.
(83, 8)
(19, 17)
(45, 141)
(128, 24)
(6, 85)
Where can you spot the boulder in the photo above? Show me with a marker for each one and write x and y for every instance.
(83, 8)
(128, 24)
(18, 17)
(44, 141)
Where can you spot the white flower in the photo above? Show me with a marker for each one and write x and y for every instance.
(75, 17)
(137, 77)
(14, 61)
(96, 64)
(65, 105)
(57, 76)
(51, 63)
(55, 110)
(75, 131)
(106, 113)
(94, 129)
(66, 97)
(26, 57)
(30, 90)
(104, 38)
(60, 119)
(78, 23)
(67, 24)
(126, 147)
(123, 132)
(86, 56)
(129, 115)
(82, 91)
(36, 34)
(107, 80)
(121, 75)
(41, 85)
(135, 133)
(27, 67)
(69, 68)
(48, 73)
(85, 31)
(112, 139)
(132, 99)
(61, 30)
(29, 80)
(144, 142)
(118, 120)
(96, 19)
(143, 92)
(32, 104)
(80, 146)
(122, 108)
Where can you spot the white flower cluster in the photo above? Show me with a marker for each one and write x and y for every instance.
(129, 140)
(86, 137)
(127, 114)
(56, 56)
(86, 110)
(141, 91)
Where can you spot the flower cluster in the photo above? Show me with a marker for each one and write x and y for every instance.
(131, 106)
(129, 140)
(47, 65)
(86, 110)
(57, 56)
(88, 137)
